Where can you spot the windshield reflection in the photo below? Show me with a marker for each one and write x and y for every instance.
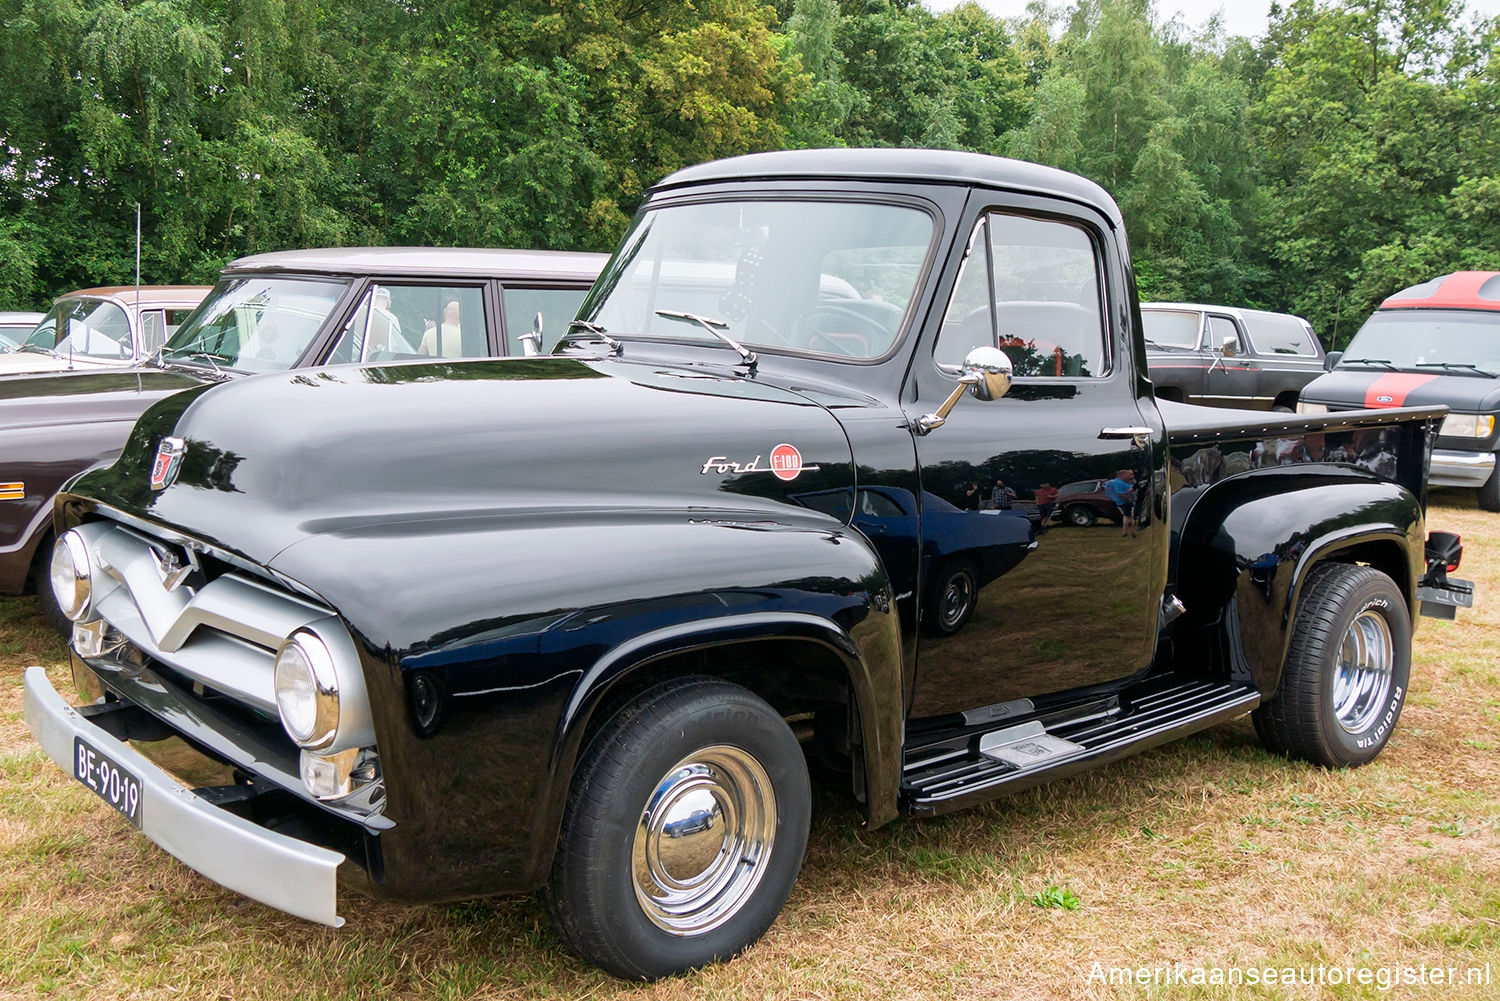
(1462, 342)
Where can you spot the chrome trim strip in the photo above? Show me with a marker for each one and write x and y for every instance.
(280, 872)
(1460, 469)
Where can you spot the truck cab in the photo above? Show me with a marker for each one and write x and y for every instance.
(576, 623)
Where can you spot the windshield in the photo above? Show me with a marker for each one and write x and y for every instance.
(1427, 339)
(254, 324)
(90, 327)
(830, 278)
(1171, 328)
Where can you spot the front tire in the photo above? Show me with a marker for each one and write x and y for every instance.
(954, 597)
(683, 833)
(1489, 494)
(1346, 671)
(47, 601)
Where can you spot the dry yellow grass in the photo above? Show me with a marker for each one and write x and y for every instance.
(1208, 851)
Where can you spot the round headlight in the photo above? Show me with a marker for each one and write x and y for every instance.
(307, 690)
(72, 585)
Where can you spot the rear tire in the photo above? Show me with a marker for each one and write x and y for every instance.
(1346, 671)
(1489, 494)
(1081, 516)
(683, 832)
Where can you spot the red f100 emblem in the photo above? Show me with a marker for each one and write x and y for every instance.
(168, 458)
(786, 462)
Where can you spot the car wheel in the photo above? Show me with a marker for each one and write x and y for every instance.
(47, 601)
(955, 592)
(1081, 515)
(1489, 494)
(1346, 672)
(684, 830)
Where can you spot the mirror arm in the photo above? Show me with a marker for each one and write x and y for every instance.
(928, 423)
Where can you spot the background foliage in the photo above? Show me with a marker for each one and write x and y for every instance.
(1344, 154)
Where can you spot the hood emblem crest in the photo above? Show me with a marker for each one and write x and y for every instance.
(168, 458)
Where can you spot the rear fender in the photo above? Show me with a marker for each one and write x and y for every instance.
(1249, 543)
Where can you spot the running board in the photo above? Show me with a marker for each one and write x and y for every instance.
(943, 778)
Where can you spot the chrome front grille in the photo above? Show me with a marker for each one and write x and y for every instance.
(223, 632)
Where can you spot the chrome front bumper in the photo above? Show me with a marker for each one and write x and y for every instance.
(278, 871)
(1460, 469)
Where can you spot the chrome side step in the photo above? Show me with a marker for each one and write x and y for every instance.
(942, 777)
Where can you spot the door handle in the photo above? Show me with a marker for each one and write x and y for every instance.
(1138, 436)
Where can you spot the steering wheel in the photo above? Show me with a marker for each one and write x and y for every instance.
(814, 328)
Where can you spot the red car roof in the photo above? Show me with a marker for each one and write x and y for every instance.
(1460, 290)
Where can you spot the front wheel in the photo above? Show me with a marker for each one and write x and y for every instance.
(683, 833)
(1346, 671)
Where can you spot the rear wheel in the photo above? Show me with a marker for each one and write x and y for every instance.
(1346, 672)
(1081, 515)
(684, 831)
(1489, 494)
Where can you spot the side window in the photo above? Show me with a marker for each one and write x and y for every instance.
(1222, 331)
(1031, 287)
(414, 321)
(558, 306)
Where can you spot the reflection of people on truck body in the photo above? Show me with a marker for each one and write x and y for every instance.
(1121, 493)
(971, 498)
(444, 340)
(1046, 503)
(1002, 497)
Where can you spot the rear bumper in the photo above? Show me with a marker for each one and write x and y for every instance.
(1460, 469)
(278, 871)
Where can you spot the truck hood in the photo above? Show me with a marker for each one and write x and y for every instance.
(1350, 387)
(274, 459)
(29, 363)
(81, 397)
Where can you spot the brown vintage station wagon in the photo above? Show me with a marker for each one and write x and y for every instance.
(1221, 356)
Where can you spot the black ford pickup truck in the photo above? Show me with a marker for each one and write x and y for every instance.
(577, 622)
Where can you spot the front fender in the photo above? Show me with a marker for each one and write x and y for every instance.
(526, 623)
(1249, 542)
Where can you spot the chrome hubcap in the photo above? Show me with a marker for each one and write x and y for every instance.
(956, 598)
(704, 840)
(1362, 679)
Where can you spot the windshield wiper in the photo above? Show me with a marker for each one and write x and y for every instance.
(37, 349)
(1461, 365)
(1367, 361)
(715, 327)
(598, 331)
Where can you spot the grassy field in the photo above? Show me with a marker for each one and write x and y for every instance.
(1205, 852)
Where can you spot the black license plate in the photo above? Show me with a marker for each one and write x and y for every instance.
(115, 785)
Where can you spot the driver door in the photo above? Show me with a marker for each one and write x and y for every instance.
(1057, 606)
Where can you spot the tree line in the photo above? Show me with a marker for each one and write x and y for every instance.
(1347, 152)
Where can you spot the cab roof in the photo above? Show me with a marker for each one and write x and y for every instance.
(152, 295)
(458, 262)
(934, 166)
(1460, 290)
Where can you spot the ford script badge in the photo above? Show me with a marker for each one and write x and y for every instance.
(168, 458)
(1383, 399)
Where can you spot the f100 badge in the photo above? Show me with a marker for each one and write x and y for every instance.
(168, 459)
(786, 464)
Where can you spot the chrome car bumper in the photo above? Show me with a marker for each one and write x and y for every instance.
(1460, 469)
(278, 871)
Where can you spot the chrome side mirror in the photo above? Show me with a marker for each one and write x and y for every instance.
(531, 343)
(986, 374)
(1230, 347)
